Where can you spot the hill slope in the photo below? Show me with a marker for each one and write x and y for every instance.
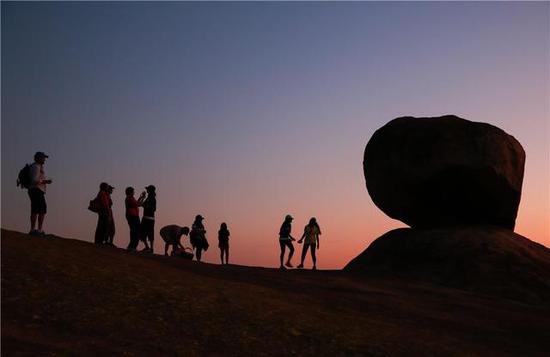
(486, 259)
(63, 296)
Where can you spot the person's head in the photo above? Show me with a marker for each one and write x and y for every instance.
(223, 226)
(151, 190)
(104, 186)
(40, 157)
(199, 218)
(184, 231)
(312, 221)
(288, 218)
(129, 191)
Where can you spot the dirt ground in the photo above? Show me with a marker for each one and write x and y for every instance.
(64, 297)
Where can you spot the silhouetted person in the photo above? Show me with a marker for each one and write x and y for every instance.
(285, 240)
(311, 235)
(198, 237)
(37, 192)
(172, 237)
(104, 214)
(111, 231)
(223, 242)
(147, 228)
(132, 216)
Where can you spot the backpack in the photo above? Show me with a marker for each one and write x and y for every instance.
(94, 205)
(24, 178)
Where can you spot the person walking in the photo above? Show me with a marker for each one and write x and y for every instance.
(223, 242)
(285, 240)
(172, 237)
(311, 235)
(147, 228)
(104, 214)
(37, 192)
(198, 237)
(132, 216)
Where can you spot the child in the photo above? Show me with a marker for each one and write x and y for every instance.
(223, 239)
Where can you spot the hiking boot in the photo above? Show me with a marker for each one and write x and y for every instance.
(289, 264)
(33, 232)
(300, 266)
(282, 267)
(314, 268)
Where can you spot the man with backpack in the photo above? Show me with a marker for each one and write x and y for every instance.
(33, 178)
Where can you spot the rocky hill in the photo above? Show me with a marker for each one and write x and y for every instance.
(68, 297)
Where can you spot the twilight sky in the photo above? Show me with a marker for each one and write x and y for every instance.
(244, 112)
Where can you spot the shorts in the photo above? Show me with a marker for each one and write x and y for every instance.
(147, 230)
(38, 201)
(286, 242)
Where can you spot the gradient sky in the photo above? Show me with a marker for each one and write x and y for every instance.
(244, 112)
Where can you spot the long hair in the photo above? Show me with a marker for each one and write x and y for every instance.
(313, 223)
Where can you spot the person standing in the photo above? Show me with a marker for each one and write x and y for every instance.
(132, 216)
(104, 214)
(285, 240)
(111, 230)
(311, 235)
(171, 235)
(223, 242)
(37, 192)
(198, 237)
(147, 228)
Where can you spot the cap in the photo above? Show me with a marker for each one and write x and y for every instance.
(111, 187)
(40, 154)
(288, 217)
(199, 217)
(104, 186)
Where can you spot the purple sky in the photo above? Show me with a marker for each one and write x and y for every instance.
(244, 112)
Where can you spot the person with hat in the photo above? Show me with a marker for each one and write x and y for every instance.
(198, 237)
(147, 228)
(285, 240)
(104, 214)
(37, 192)
(311, 235)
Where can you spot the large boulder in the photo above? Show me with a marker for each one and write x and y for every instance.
(443, 171)
(487, 259)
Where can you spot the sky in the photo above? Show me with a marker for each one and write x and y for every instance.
(247, 111)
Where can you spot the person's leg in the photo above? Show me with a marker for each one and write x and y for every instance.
(283, 247)
(166, 245)
(303, 257)
(99, 230)
(112, 231)
(199, 253)
(133, 222)
(143, 234)
(33, 221)
(227, 255)
(40, 221)
(42, 209)
(313, 257)
(290, 254)
(151, 234)
(221, 254)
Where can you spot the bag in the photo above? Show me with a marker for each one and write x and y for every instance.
(94, 205)
(24, 178)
